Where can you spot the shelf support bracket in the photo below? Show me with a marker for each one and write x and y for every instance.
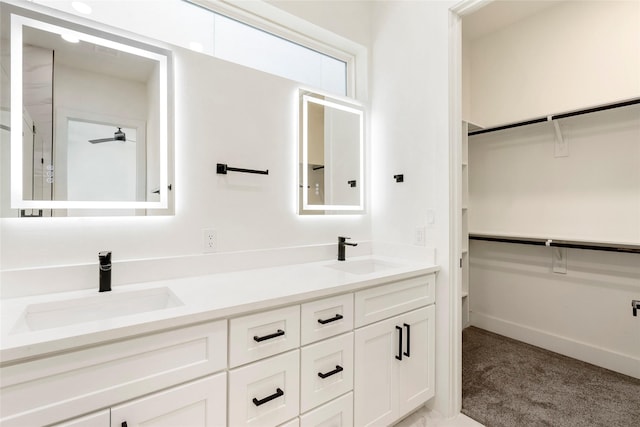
(561, 147)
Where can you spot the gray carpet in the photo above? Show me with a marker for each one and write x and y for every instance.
(507, 383)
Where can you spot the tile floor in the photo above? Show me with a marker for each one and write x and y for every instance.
(425, 418)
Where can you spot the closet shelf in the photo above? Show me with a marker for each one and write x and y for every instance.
(572, 244)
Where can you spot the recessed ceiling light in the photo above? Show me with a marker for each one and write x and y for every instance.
(70, 38)
(81, 7)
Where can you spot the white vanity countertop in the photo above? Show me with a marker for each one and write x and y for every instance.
(203, 298)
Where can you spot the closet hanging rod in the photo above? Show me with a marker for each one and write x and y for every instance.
(633, 249)
(557, 116)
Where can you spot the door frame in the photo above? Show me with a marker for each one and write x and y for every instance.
(456, 13)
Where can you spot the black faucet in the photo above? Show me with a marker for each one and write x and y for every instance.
(105, 270)
(341, 244)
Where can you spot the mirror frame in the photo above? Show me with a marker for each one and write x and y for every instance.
(350, 106)
(51, 24)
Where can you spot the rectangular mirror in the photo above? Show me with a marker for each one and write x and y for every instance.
(332, 155)
(89, 119)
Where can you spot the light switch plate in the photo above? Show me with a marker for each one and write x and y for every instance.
(421, 236)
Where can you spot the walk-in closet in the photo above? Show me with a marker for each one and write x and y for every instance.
(550, 199)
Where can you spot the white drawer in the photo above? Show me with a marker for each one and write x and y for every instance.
(293, 423)
(338, 413)
(389, 300)
(56, 388)
(264, 334)
(326, 318)
(96, 419)
(265, 393)
(326, 371)
(200, 403)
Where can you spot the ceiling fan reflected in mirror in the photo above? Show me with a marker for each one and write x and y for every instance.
(118, 135)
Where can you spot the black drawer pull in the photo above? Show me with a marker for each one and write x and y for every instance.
(328, 374)
(275, 395)
(408, 352)
(268, 337)
(399, 355)
(333, 319)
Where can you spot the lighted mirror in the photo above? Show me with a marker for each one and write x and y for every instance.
(89, 126)
(331, 155)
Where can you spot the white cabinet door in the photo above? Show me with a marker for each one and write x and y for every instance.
(394, 367)
(200, 403)
(376, 379)
(417, 368)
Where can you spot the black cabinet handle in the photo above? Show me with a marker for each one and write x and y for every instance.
(268, 337)
(275, 395)
(328, 374)
(333, 319)
(399, 356)
(408, 352)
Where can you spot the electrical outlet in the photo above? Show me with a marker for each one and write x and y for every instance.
(209, 240)
(420, 238)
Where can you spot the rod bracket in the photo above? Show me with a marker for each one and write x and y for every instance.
(561, 146)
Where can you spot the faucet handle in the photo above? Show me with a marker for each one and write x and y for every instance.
(104, 257)
(342, 239)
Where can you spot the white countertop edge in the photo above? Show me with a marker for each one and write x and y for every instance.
(193, 291)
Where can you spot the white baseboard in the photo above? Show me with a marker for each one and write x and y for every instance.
(598, 356)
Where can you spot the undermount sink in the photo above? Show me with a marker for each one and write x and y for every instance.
(102, 306)
(362, 266)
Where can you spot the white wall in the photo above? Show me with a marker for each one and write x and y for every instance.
(410, 136)
(350, 19)
(224, 113)
(518, 187)
(585, 314)
(567, 57)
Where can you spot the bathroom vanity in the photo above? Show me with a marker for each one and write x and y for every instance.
(294, 345)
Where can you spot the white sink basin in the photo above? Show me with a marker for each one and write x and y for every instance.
(101, 306)
(362, 266)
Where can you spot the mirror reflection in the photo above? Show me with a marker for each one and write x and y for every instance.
(331, 166)
(93, 110)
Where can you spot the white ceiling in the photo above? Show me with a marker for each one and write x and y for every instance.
(499, 14)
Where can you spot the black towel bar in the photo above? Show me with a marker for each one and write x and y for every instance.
(222, 168)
